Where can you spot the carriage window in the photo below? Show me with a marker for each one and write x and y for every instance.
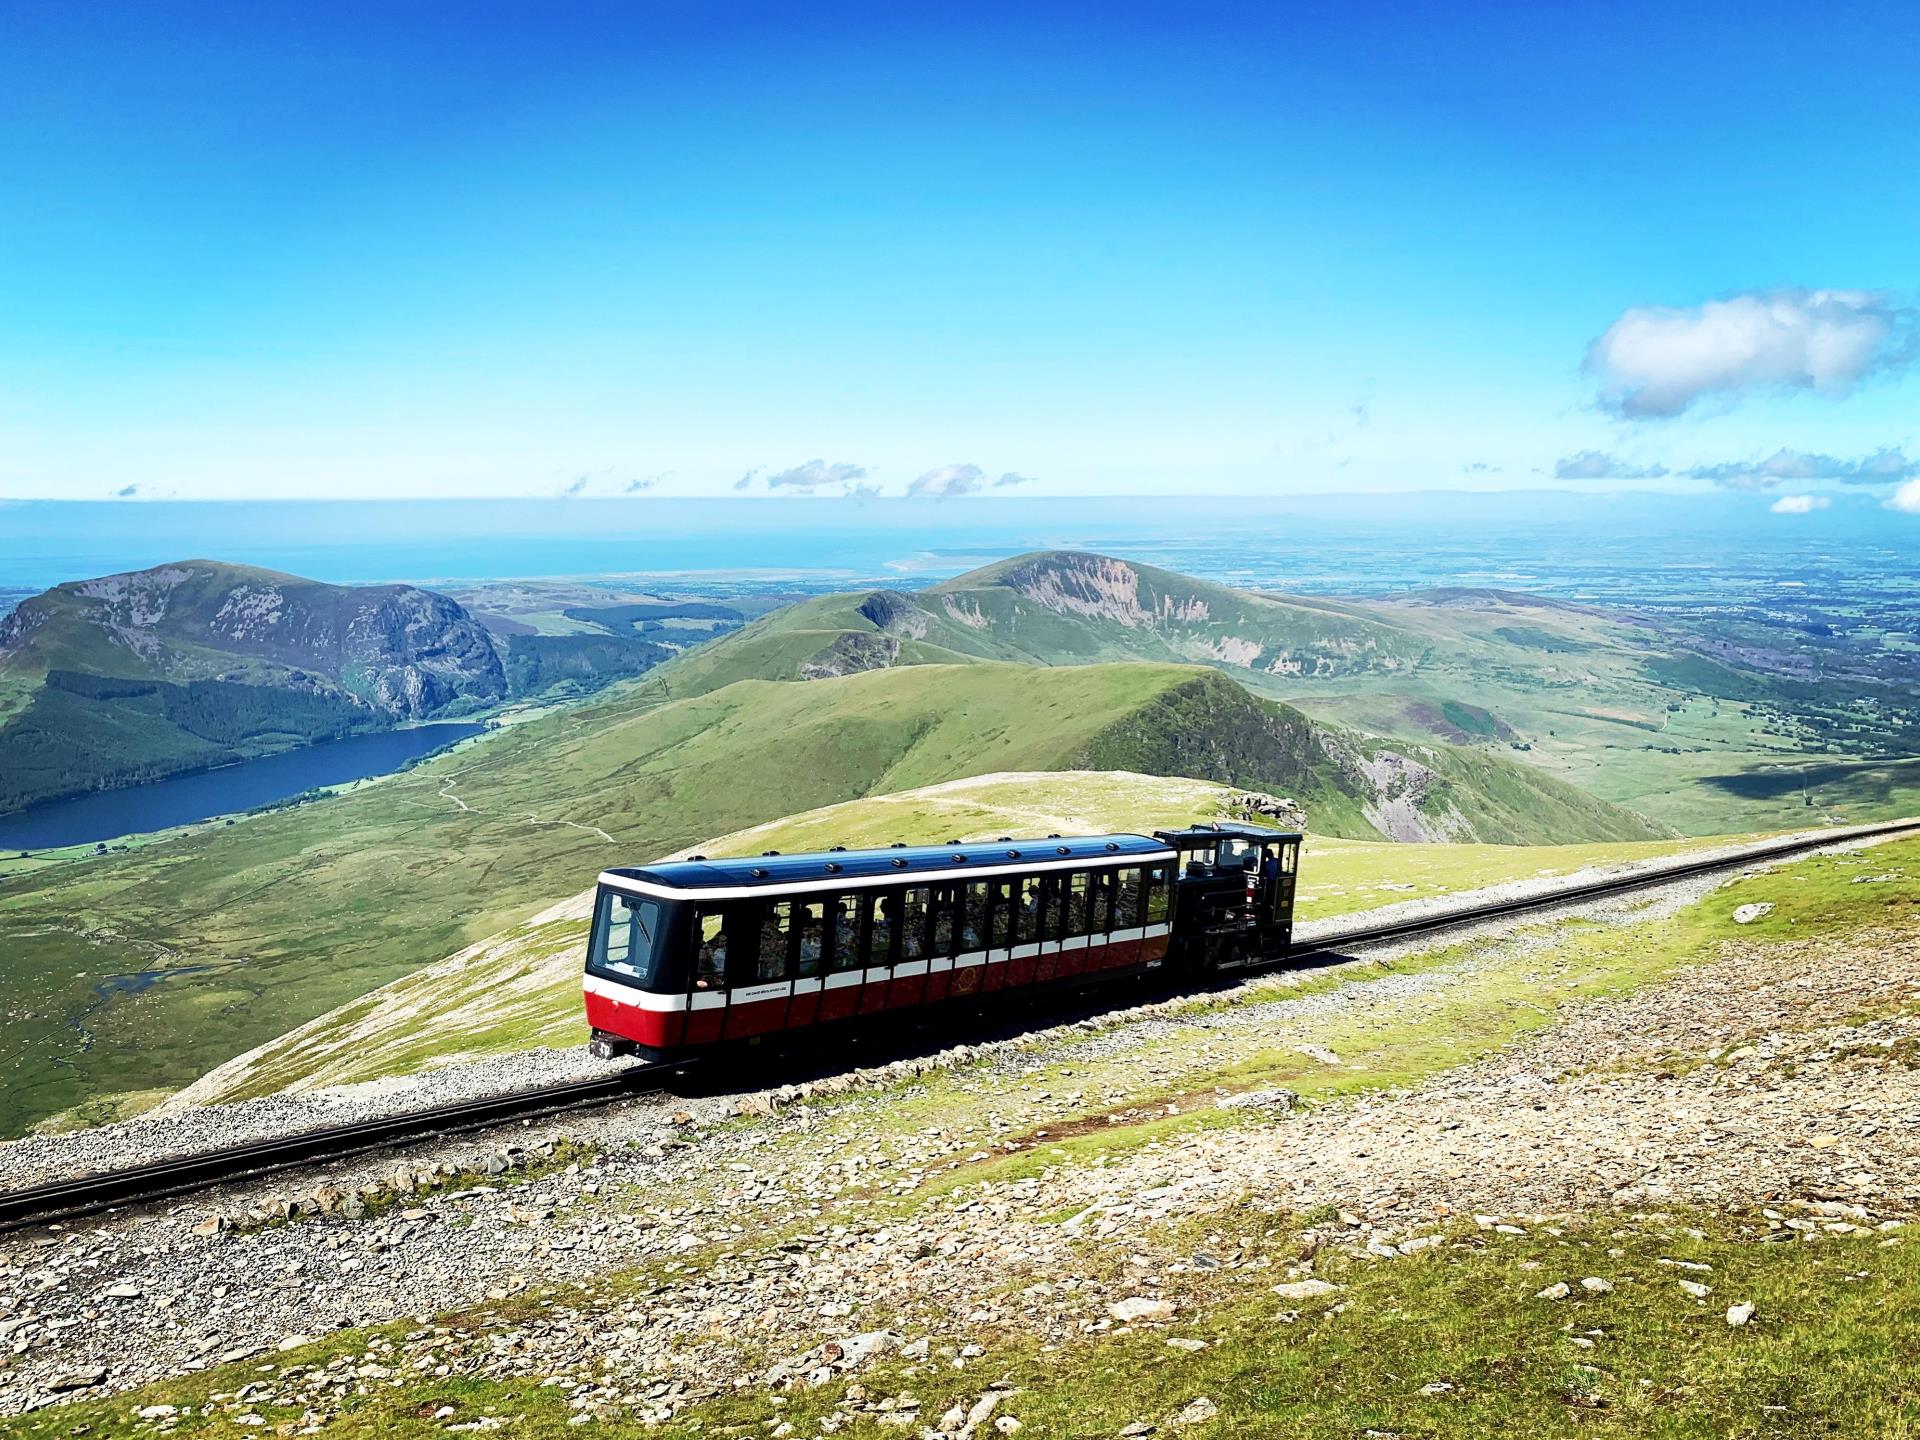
(973, 921)
(1157, 895)
(812, 948)
(886, 930)
(1126, 899)
(1026, 910)
(710, 956)
(1238, 854)
(776, 923)
(943, 907)
(1050, 907)
(623, 935)
(1003, 893)
(1100, 907)
(1077, 904)
(1289, 857)
(847, 909)
(913, 924)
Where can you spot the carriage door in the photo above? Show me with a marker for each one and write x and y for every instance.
(1282, 874)
(1046, 964)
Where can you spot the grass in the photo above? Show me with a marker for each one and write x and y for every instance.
(1836, 1324)
(521, 988)
(1835, 1334)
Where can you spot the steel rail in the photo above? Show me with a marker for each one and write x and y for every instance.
(92, 1194)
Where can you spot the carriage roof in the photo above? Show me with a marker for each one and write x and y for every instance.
(896, 862)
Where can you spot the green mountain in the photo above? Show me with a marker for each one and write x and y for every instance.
(1063, 608)
(126, 678)
(1702, 731)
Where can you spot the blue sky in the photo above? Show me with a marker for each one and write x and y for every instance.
(275, 250)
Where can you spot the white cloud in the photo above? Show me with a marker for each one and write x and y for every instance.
(1883, 467)
(1597, 465)
(948, 481)
(1656, 361)
(1012, 478)
(814, 474)
(1906, 498)
(1799, 504)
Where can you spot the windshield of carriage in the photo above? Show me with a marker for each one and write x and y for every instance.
(626, 931)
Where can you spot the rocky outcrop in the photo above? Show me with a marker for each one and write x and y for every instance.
(403, 652)
(1100, 588)
(895, 613)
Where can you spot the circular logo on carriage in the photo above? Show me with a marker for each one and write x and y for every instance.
(966, 981)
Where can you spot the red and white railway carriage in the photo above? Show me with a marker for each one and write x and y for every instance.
(689, 955)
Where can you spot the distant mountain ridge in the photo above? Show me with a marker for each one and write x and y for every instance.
(131, 677)
(1069, 608)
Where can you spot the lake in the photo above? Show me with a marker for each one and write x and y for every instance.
(184, 799)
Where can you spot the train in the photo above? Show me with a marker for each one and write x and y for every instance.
(689, 957)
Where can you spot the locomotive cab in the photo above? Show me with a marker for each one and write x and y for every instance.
(1233, 895)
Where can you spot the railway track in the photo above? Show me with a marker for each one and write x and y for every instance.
(189, 1174)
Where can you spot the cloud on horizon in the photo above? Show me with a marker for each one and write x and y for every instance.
(947, 482)
(1010, 478)
(1598, 465)
(1886, 466)
(1906, 499)
(811, 476)
(1799, 504)
(576, 488)
(1658, 361)
(126, 492)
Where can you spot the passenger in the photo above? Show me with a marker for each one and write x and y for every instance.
(773, 952)
(810, 950)
(883, 918)
(710, 973)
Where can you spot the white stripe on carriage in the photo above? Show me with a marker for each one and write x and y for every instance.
(623, 994)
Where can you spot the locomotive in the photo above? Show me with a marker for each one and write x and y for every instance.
(691, 956)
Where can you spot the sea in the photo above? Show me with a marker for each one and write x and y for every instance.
(1626, 547)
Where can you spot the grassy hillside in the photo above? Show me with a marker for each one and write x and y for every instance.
(127, 678)
(1620, 705)
(139, 972)
(521, 988)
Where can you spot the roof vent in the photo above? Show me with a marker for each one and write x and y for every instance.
(834, 867)
(696, 857)
(769, 852)
(898, 845)
(1113, 845)
(1054, 836)
(898, 863)
(960, 857)
(1006, 837)
(1062, 850)
(759, 872)
(835, 849)
(1013, 854)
